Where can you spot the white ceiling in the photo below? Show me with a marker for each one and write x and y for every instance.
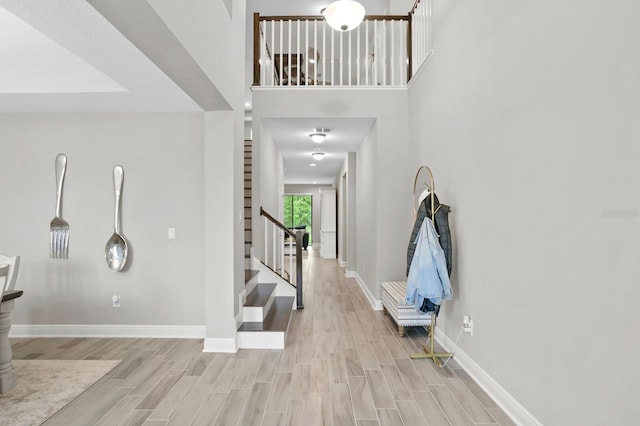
(94, 48)
(291, 136)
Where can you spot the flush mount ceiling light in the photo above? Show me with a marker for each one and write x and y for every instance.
(319, 134)
(318, 137)
(312, 164)
(317, 155)
(343, 15)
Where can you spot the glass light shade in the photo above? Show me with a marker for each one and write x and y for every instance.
(344, 15)
(318, 155)
(318, 137)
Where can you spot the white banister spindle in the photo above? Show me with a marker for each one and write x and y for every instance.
(376, 52)
(281, 248)
(281, 57)
(324, 52)
(358, 60)
(350, 82)
(298, 54)
(333, 65)
(289, 76)
(385, 51)
(266, 240)
(290, 260)
(306, 47)
(367, 52)
(273, 265)
(315, 46)
(341, 58)
(392, 60)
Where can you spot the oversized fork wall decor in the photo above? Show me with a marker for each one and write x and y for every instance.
(59, 246)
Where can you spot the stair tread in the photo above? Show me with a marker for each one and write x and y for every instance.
(249, 273)
(260, 295)
(276, 320)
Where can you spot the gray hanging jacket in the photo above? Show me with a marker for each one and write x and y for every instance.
(441, 225)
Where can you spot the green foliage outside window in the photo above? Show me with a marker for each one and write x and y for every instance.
(297, 212)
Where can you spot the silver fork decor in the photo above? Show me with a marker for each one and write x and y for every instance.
(59, 248)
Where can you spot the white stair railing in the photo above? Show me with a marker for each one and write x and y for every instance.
(279, 242)
(385, 50)
(306, 51)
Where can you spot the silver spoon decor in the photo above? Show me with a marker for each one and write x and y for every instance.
(117, 248)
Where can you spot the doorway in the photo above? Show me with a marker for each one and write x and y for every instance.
(298, 215)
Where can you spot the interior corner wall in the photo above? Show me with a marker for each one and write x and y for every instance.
(163, 187)
(220, 261)
(528, 116)
(366, 230)
(352, 246)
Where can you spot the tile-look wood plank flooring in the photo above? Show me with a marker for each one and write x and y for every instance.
(344, 364)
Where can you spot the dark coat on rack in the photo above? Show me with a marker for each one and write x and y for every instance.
(441, 225)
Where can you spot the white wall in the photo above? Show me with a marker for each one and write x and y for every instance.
(163, 187)
(528, 116)
(215, 38)
(367, 215)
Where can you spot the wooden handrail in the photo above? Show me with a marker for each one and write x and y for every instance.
(277, 223)
(321, 18)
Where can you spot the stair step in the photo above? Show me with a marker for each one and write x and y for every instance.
(258, 303)
(249, 274)
(277, 320)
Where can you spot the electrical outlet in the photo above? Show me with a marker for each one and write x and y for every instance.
(115, 301)
(171, 233)
(467, 324)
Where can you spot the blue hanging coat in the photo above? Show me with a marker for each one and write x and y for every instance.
(428, 276)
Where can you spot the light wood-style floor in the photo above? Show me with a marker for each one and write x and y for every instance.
(344, 365)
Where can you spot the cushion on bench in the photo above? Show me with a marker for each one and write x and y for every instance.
(393, 299)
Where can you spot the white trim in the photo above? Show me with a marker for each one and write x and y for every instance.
(342, 263)
(242, 297)
(220, 345)
(421, 69)
(110, 330)
(519, 414)
(261, 339)
(316, 245)
(375, 304)
(350, 274)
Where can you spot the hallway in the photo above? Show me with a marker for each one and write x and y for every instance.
(343, 365)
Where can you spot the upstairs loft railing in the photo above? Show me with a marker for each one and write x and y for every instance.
(385, 50)
(281, 242)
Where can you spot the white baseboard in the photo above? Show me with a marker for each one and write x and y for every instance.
(342, 263)
(500, 396)
(350, 274)
(220, 345)
(375, 304)
(110, 330)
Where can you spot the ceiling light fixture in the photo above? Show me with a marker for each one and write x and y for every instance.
(319, 134)
(343, 15)
(312, 164)
(317, 155)
(318, 137)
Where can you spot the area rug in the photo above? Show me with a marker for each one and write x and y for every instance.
(45, 386)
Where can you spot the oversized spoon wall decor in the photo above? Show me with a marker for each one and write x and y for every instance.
(117, 248)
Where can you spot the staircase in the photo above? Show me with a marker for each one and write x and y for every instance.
(265, 315)
(247, 202)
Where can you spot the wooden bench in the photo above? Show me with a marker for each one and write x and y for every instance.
(394, 304)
